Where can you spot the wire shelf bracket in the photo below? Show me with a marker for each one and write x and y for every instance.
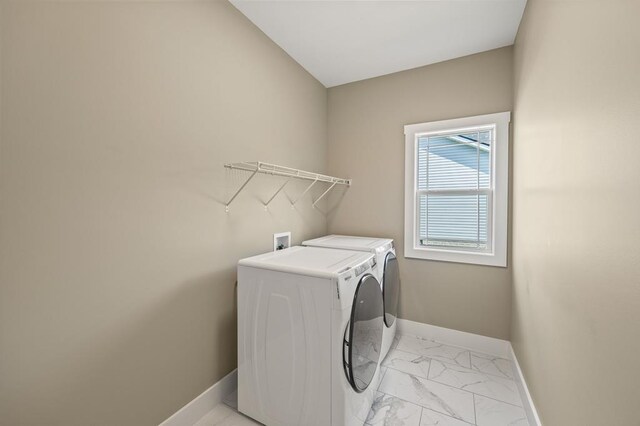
(259, 167)
(304, 193)
(266, 205)
(323, 194)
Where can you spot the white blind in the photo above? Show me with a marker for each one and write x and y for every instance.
(454, 189)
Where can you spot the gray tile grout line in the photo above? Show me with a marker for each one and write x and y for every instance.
(409, 374)
(422, 408)
(446, 415)
(433, 381)
(494, 375)
(453, 363)
(452, 387)
(476, 371)
(497, 400)
(491, 355)
(452, 346)
(455, 346)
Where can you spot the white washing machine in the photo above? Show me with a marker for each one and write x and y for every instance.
(387, 273)
(310, 325)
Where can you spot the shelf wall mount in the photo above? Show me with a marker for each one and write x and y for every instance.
(258, 167)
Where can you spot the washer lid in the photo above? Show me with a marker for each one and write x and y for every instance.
(309, 261)
(348, 243)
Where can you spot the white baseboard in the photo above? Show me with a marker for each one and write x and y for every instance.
(529, 407)
(207, 400)
(474, 342)
(203, 403)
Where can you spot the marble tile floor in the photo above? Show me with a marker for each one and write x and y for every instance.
(427, 383)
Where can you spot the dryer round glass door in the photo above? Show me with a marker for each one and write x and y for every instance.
(363, 336)
(390, 288)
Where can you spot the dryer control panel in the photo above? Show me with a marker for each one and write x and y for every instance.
(348, 281)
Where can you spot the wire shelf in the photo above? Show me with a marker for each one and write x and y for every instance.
(275, 170)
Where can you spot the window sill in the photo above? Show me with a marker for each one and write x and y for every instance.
(487, 259)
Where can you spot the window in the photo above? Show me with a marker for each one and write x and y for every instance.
(456, 186)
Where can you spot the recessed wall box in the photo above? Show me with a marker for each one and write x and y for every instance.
(281, 241)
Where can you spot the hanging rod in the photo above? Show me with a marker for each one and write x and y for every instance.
(275, 170)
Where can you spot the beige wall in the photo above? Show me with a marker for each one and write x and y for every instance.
(576, 303)
(117, 263)
(366, 142)
(117, 260)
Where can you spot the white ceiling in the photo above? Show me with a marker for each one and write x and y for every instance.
(343, 41)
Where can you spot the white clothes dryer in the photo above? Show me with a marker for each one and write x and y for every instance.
(310, 324)
(387, 273)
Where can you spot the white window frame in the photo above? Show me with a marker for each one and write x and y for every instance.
(499, 207)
